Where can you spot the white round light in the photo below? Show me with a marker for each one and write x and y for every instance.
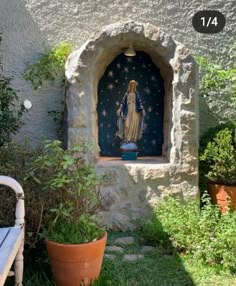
(27, 104)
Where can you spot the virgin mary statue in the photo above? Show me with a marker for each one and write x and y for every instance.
(130, 115)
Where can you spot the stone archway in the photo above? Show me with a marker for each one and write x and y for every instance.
(177, 172)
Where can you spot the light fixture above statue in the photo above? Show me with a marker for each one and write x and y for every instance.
(130, 52)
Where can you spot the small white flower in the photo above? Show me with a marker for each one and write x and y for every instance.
(27, 104)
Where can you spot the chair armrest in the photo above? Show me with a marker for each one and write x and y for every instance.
(20, 205)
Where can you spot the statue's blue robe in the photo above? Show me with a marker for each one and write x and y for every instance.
(124, 112)
(124, 105)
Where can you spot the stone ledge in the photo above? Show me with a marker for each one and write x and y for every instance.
(104, 161)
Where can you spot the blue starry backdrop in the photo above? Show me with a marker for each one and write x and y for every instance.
(111, 89)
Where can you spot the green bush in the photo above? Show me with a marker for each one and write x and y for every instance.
(70, 180)
(15, 161)
(203, 233)
(10, 118)
(207, 137)
(211, 133)
(57, 184)
(75, 232)
(218, 154)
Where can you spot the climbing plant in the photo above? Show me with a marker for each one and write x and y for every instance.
(49, 67)
(216, 78)
(10, 117)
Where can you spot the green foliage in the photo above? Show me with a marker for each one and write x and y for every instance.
(49, 65)
(74, 186)
(216, 78)
(204, 140)
(73, 232)
(211, 133)
(152, 231)
(172, 269)
(58, 186)
(219, 154)
(203, 234)
(10, 120)
(15, 161)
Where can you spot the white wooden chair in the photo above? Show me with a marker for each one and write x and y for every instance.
(12, 238)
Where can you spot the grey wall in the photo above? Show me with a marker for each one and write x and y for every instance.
(31, 26)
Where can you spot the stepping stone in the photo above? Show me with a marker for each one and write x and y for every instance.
(132, 257)
(114, 248)
(110, 256)
(124, 240)
(146, 248)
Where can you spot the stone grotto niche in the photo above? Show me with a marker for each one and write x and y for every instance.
(111, 89)
(132, 188)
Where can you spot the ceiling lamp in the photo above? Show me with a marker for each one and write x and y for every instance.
(130, 52)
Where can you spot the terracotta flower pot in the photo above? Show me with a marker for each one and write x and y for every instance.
(76, 264)
(224, 196)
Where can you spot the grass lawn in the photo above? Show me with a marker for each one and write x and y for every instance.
(158, 268)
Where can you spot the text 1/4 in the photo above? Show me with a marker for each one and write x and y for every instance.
(210, 21)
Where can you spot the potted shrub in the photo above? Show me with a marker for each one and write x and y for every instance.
(75, 242)
(219, 158)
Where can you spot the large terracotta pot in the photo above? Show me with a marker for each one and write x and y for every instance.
(76, 264)
(224, 196)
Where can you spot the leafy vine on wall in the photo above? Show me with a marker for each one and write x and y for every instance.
(49, 67)
(216, 78)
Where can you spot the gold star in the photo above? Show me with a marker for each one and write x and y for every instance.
(110, 74)
(110, 86)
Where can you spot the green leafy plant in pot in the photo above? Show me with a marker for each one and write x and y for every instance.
(219, 158)
(75, 242)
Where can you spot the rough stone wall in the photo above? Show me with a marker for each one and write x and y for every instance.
(30, 26)
(132, 190)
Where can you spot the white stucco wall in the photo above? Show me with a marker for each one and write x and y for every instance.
(31, 26)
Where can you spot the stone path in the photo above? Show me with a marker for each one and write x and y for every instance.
(118, 248)
(124, 240)
(132, 257)
(114, 248)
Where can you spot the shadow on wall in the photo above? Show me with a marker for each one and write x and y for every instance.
(210, 118)
(23, 43)
(131, 190)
